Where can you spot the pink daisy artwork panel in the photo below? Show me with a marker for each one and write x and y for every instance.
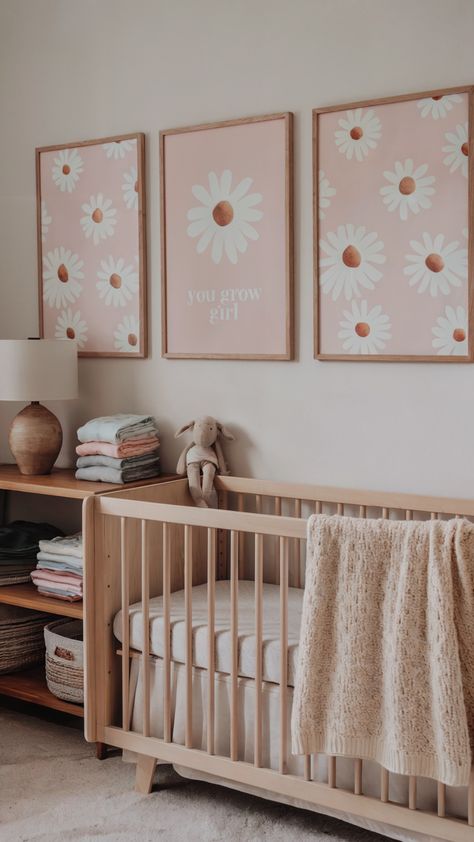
(226, 221)
(91, 245)
(393, 278)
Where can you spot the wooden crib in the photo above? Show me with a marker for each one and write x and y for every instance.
(152, 542)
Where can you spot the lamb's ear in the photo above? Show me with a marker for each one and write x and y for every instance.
(224, 432)
(183, 429)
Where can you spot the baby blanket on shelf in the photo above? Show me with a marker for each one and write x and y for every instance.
(70, 545)
(117, 428)
(385, 667)
(133, 447)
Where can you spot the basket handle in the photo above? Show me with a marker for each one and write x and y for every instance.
(65, 654)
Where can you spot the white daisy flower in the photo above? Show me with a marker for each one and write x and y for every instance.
(351, 253)
(127, 335)
(450, 332)
(99, 220)
(130, 189)
(118, 148)
(46, 221)
(438, 106)
(364, 331)
(358, 134)
(61, 277)
(325, 193)
(408, 189)
(69, 325)
(117, 283)
(434, 266)
(457, 149)
(67, 169)
(224, 216)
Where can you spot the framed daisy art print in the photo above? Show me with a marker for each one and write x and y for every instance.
(91, 245)
(226, 202)
(392, 228)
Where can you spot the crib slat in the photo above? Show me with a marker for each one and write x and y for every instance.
(358, 776)
(283, 653)
(340, 508)
(146, 629)
(331, 771)
(277, 505)
(125, 588)
(412, 792)
(441, 800)
(408, 514)
(211, 619)
(384, 785)
(234, 632)
(317, 507)
(166, 635)
(385, 513)
(296, 544)
(362, 511)
(241, 508)
(258, 648)
(258, 503)
(188, 584)
(307, 767)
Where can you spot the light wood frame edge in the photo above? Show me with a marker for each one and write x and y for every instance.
(142, 240)
(289, 223)
(467, 89)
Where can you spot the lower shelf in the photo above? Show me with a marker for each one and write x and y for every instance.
(30, 686)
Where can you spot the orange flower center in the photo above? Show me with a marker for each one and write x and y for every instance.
(132, 339)
(362, 329)
(115, 281)
(407, 185)
(434, 262)
(66, 169)
(223, 213)
(465, 149)
(70, 333)
(459, 334)
(136, 187)
(436, 98)
(63, 274)
(351, 257)
(356, 133)
(97, 215)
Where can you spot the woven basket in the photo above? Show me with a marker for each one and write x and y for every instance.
(65, 659)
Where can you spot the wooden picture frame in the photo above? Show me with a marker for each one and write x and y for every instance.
(439, 112)
(226, 147)
(106, 314)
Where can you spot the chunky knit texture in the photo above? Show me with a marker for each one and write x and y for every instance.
(386, 654)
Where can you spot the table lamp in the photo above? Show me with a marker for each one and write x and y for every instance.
(34, 370)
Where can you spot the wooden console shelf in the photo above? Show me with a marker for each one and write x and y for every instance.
(30, 686)
(28, 597)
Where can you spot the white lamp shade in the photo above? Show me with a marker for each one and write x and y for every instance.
(38, 369)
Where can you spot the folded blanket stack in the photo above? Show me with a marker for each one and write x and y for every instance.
(19, 544)
(118, 449)
(59, 568)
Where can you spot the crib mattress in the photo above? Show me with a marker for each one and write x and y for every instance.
(223, 642)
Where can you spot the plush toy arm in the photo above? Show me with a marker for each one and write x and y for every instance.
(181, 466)
(223, 469)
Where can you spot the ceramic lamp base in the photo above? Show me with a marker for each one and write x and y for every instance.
(35, 439)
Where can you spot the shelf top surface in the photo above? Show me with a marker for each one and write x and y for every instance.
(62, 483)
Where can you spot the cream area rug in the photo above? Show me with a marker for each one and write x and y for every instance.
(52, 789)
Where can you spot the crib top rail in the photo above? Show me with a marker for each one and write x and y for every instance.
(286, 527)
(347, 496)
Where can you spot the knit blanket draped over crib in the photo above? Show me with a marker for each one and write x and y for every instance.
(386, 654)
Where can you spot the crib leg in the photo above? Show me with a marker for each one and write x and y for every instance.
(145, 772)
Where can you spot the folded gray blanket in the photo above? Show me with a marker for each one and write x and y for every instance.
(120, 464)
(117, 428)
(100, 473)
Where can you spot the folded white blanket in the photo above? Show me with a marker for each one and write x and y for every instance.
(385, 664)
(70, 545)
(117, 428)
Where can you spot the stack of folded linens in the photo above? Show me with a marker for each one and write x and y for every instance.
(118, 449)
(21, 638)
(59, 568)
(19, 544)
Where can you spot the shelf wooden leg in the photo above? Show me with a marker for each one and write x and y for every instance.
(100, 751)
(145, 772)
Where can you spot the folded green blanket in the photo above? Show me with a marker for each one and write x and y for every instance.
(117, 428)
(99, 459)
(100, 473)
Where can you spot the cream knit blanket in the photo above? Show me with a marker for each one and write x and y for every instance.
(386, 654)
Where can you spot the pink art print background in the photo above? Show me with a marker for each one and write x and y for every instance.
(91, 285)
(432, 134)
(253, 151)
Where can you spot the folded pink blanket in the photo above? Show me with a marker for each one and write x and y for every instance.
(57, 576)
(135, 447)
(66, 598)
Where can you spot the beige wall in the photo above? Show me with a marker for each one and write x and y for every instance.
(73, 69)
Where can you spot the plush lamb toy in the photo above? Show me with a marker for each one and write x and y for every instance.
(203, 456)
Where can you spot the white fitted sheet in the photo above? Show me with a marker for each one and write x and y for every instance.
(271, 628)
